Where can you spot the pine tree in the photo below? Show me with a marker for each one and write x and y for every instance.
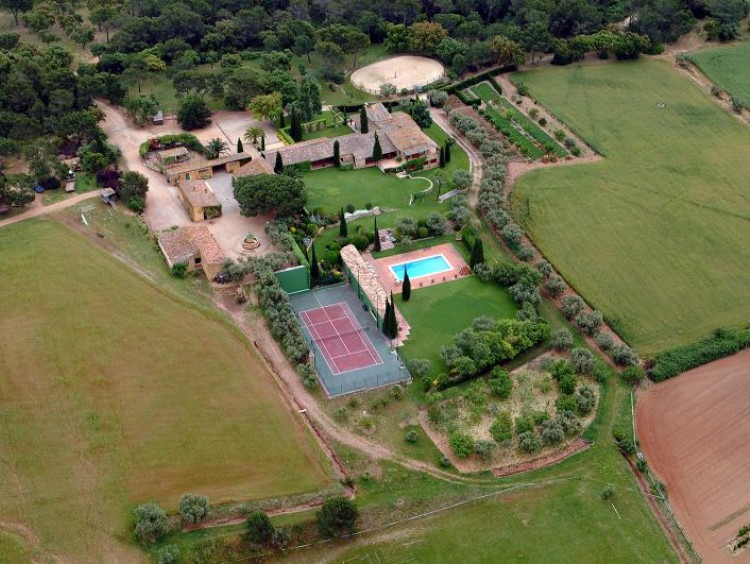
(448, 151)
(377, 150)
(336, 153)
(442, 157)
(278, 168)
(406, 288)
(262, 143)
(364, 126)
(240, 148)
(314, 267)
(343, 229)
(377, 236)
(477, 253)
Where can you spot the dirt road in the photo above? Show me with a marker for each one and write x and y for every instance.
(42, 210)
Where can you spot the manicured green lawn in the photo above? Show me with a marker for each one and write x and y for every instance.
(115, 391)
(727, 67)
(437, 313)
(656, 235)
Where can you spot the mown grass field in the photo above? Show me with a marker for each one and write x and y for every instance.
(437, 313)
(114, 392)
(727, 67)
(657, 235)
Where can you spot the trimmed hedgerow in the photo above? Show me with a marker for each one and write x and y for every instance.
(723, 342)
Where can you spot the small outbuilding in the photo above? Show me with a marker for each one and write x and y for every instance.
(199, 200)
(194, 246)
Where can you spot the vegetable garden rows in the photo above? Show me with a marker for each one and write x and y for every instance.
(530, 139)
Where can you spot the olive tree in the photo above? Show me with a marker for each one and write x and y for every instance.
(193, 508)
(150, 523)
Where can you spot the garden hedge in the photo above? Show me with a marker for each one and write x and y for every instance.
(724, 342)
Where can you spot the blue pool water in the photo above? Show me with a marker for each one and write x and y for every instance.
(422, 267)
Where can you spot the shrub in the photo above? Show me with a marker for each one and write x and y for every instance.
(258, 528)
(582, 360)
(544, 268)
(443, 461)
(150, 523)
(512, 234)
(634, 375)
(566, 402)
(279, 538)
(168, 554)
(533, 113)
(559, 134)
(572, 306)
(522, 89)
(411, 436)
(576, 151)
(605, 341)
(567, 384)
(193, 508)
(590, 322)
(501, 383)
(624, 355)
(552, 433)
(337, 516)
(484, 449)
(137, 204)
(419, 367)
(406, 227)
(529, 442)
(341, 414)
(179, 270)
(554, 286)
(422, 233)
(561, 339)
(716, 90)
(542, 121)
(608, 492)
(462, 444)
(501, 429)
(396, 392)
(524, 425)
(585, 400)
(738, 104)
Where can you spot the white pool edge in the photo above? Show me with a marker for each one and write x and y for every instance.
(393, 272)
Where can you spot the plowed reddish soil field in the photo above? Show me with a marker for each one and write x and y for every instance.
(695, 432)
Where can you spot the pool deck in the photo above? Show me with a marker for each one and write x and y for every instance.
(459, 268)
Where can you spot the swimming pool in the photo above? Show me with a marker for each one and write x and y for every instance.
(435, 264)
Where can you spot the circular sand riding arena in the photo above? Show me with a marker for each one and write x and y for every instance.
(403, 71)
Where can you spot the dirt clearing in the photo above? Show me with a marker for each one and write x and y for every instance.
(405, 71)
(694, 430)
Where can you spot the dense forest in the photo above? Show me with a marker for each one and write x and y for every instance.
(44, 93)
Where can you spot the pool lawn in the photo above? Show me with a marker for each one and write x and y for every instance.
(437, 313)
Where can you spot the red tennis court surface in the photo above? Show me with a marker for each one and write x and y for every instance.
(339, 337)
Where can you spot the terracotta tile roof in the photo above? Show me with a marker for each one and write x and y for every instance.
(377, 112)
(199, 162)
(182, 244)
(361, 145)
(198, 193)
(405, 134)
(175, 152)
(258, 165)
(313, 150)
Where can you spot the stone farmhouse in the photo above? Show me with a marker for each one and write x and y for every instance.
(401, 140)
(194, 246)
(198, 200)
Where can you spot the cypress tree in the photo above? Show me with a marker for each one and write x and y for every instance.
(364, 126)
(377, 150)
(448, 151)
(406, 289)
(282, 121)
(393, 329)
(477, 253)
(442, 157)
(278, 168)
(336, 153)
(262, 143)
(377, 236)
(343, 230)
(240, 148)
(314, 267)
(295, 130)
(386, 317)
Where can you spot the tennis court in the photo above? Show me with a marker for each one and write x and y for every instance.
(351, 353)
(340, 339)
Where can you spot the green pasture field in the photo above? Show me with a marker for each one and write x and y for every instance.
(727, 67)
(437, 313)
(656, 235)
(114, 392)
(85, 182)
